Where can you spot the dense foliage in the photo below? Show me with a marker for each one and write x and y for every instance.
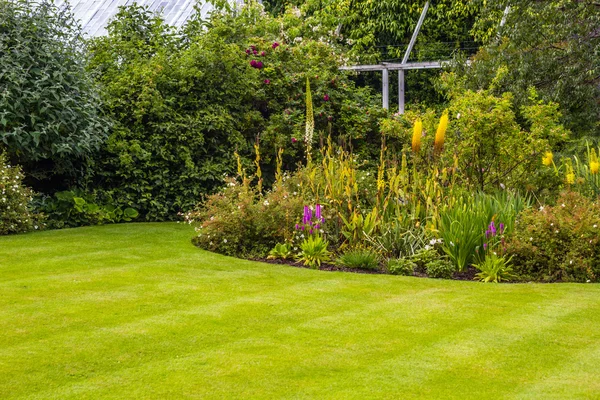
(50, 116)
(182, 106)
(15, 213)
(560, 242)
(550, 45)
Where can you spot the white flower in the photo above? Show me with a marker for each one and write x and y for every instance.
(432, 242)
(224, 240)
(595, 226)
(571, 262)
(427, 247)
(302, 235)
(531, 239)
(211, 243)
(552, 224)
(556, 231)
(588, 281)
(541, 208)
(266, 202)
(502, 186)
(562, 205)
(211, 218)
(458, 116)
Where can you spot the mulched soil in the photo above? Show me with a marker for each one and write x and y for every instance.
(467, 275)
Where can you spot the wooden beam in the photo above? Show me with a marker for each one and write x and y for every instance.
(401, 91)
(386, 89)
(413, 39)
(396, 66)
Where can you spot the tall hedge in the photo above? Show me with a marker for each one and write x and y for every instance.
(183, 103)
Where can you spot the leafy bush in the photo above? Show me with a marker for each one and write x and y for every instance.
(15, 212)
(558, 243)
(50, 117)
(494, 268)
(401, 266)
(463, 224)
(281, 251)
(183, 102)
(440, 268)
(359, 258)
(240, 221)
(314, 251)
(73, 208)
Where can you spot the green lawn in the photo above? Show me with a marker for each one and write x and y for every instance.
(135, 311)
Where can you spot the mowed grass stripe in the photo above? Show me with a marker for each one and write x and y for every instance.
(166, 320)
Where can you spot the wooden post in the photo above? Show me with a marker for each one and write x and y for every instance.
(401, 91)
(386, 89)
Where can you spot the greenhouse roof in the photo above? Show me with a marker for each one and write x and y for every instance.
(94, 15)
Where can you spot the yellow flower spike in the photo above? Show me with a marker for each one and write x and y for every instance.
(440, 134)
(416, 138)
(548, 158)
(594, 164)
(570, 174)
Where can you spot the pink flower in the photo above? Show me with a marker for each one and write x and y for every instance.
(256, 64)
(294, 140)
(267, 81)
(330, 118)
(254, 52)
(247, 51)
(326, 97)
(262, 53)
(275, 45)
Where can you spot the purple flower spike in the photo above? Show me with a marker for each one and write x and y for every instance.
(305, 217)
(485, 246)
(311, 231)
(297, 227)
(501, 228)
(318, 226)
(318, 211)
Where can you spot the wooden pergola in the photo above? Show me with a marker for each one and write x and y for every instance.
(404, 65)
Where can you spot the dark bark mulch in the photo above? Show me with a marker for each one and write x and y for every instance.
(324, 267)
(466, 275)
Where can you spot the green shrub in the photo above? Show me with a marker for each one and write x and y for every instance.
(401, 266)
(73, 208)
(239, 221)
(182, 105)
(313, 251)
(463, 224)
(494, 268)
(440, 268)
(359, 258)
(558, 243)
(15, 212)
(281, 251)
(50, 117)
